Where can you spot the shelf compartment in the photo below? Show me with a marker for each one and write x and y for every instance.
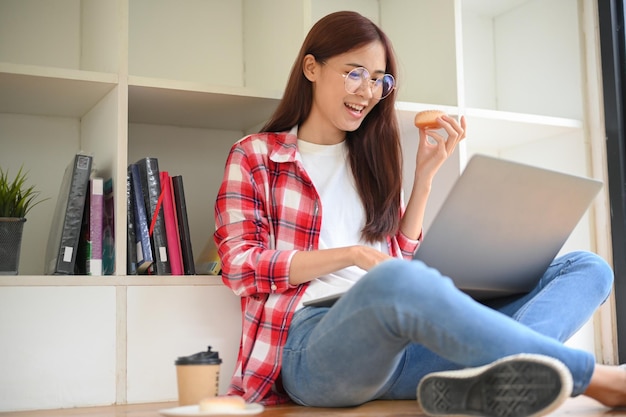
(517, 59)
(72, 34)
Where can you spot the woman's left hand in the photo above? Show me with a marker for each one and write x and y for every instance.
(436, 146)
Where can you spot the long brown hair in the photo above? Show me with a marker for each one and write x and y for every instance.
(374, 149)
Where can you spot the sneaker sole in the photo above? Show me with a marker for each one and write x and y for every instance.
(524, 385)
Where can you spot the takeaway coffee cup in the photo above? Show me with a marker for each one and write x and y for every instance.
(198, 376)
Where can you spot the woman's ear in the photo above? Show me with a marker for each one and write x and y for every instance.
(310, 67)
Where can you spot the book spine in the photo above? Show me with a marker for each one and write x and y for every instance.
(171, 225)
(131, 237)
(143, 243)
(83, 252)
(67, 221)
(151, 185)
(183, 225)
(180, 249)
(96, 208)
(108, 230)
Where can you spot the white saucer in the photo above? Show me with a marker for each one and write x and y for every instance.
(194, 410)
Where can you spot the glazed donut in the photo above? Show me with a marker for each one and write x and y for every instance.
(222, 404)
(428, 119)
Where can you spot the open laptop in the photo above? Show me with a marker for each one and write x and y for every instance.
(501, 225)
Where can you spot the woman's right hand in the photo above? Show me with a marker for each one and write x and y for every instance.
(366, 257)
(308, 265)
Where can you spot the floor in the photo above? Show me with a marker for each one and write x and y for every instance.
(575, 407)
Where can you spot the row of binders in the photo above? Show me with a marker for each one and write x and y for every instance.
(82, 239)
(158, 236)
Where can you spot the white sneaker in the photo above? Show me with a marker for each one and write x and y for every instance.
(524, 385)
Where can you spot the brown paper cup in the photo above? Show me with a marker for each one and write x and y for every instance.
(196, 382)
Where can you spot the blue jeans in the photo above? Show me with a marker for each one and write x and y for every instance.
(403, 320)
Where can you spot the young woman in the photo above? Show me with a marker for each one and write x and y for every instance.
(313, 205)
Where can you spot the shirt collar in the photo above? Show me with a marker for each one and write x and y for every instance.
(286, 146)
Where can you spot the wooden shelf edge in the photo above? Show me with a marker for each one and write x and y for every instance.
(108, 281)
(52, 91)
(58, 73)
(179, 103)
(200, 87)
(404, 108)
(538, 119)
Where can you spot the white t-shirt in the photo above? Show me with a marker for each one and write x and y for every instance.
(343, 215)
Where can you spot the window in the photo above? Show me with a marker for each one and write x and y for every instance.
(613, 50)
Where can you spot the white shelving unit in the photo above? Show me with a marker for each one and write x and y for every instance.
(181, 81)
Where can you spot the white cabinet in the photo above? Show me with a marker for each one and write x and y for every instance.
(181, 81)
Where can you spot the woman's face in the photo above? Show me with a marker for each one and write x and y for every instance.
(333, 106)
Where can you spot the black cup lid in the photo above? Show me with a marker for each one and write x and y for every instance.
(201, 358)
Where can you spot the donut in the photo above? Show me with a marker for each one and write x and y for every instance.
(222, 404)
(428, 118)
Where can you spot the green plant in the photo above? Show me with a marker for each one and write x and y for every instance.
(16, 198)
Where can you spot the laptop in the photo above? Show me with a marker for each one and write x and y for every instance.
(501, 225)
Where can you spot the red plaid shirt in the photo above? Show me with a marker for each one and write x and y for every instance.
(267, 209)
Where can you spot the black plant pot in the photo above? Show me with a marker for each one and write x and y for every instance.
(11, 229)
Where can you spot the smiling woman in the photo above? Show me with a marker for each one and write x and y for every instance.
(312, 205)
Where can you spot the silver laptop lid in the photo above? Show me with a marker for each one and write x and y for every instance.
(502, 224)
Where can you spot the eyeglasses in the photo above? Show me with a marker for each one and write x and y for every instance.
(381, 87)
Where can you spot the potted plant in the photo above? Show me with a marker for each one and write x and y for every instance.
(16, 200)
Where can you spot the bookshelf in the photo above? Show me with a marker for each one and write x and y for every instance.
(125, 79)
